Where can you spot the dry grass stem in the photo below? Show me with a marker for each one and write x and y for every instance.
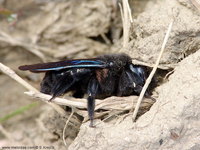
(110, 103)
(126, 21)
(6, 70)
(151, 74)
(121, 11)
(66, 126)
(105, 38)
(163, 66)
(111, 114)
(32, 48)
(129, 11)
(9, 39)
(6, 133)
(72, 102)
(196, 3)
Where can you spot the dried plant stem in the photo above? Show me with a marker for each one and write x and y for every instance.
(126, 21)
(151, 74)
(72, 102)
(9, 39)
(163, 66)
(6, 133)
(17, 78)
(129, 12)
(66, 126)
(105, 38)
(196, 3)
(110, 103)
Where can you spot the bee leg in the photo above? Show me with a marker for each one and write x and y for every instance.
(90, 106)
(92, 91)
(62, 85)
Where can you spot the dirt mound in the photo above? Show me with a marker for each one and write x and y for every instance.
(150, 26)
(174, 118)
(171, 123)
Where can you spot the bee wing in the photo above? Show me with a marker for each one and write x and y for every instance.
(68, 64)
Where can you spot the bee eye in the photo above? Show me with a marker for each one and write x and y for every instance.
(111, 63)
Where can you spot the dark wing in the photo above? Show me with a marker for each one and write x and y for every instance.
(68, 64)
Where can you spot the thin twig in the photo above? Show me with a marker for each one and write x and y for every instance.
(66, 126)
(72, 102)
(17, 78)
(126, 24)
(121, 11)
(196, 3)
(109, 116)
(126, 21)
(31, 47)
(129, 11)
(6, 133)
(105, 38)
(9, 39)
(110, 103)
(161, 66)
(151, 74)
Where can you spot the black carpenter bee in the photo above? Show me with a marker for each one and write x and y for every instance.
(101, 77)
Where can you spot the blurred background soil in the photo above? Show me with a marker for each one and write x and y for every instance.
(34, 31)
